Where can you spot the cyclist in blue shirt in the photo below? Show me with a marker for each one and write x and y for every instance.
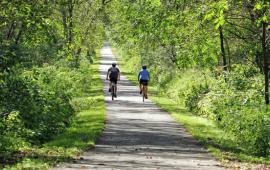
(143, 78)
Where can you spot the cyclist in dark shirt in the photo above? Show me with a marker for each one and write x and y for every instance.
(114, 75)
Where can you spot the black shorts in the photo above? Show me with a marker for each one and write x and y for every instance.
(144, 82)
(113, 80)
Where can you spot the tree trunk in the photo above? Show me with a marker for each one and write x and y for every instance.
(77, 57)
(17, 39)
(265, 58)
(223, 54)
(10, 30)
(173, 56)
(64, 20)
(70, 21)
(228, 53)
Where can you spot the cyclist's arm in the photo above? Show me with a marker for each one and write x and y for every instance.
(118, 74)
(139, 76)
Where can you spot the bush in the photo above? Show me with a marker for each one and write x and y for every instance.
(196, 94)
(251, 128)
(12, 133)
(239, 114)
(235, 102)
(42, 109)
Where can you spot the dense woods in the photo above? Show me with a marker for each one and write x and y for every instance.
(46, 49)
(214, 54)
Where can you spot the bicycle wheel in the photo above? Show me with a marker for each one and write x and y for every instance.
(113, 91)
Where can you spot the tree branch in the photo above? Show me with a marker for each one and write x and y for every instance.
(240, 26)
(104, 2)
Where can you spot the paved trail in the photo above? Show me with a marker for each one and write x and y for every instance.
(140, 136)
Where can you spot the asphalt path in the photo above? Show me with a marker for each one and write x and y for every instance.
(139, 135)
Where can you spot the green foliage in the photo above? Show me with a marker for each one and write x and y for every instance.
(12, 134)
(173, 38)
(46, 48)
(83, 132)
(204, 124)
(236, 105)
(195, 95)
(233, 100)
(44, 109)
(216, 13)
(41, 103)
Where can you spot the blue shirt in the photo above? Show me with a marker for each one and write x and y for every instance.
(144, 75)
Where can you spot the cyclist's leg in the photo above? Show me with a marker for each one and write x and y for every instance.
(110, 86)
(140, 86)
(146, 89)
(115, 86)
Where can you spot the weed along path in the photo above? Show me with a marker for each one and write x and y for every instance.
(139, 135)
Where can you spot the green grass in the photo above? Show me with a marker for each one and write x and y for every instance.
(82, 135)
(215, 139)
(219, 143)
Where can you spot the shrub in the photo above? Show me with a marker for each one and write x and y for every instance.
(196, 94)
(38, 103)
(43, 109)
(12, 133)
(251, 128)
(235, 102)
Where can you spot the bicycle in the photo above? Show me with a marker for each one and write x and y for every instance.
(113, 90)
